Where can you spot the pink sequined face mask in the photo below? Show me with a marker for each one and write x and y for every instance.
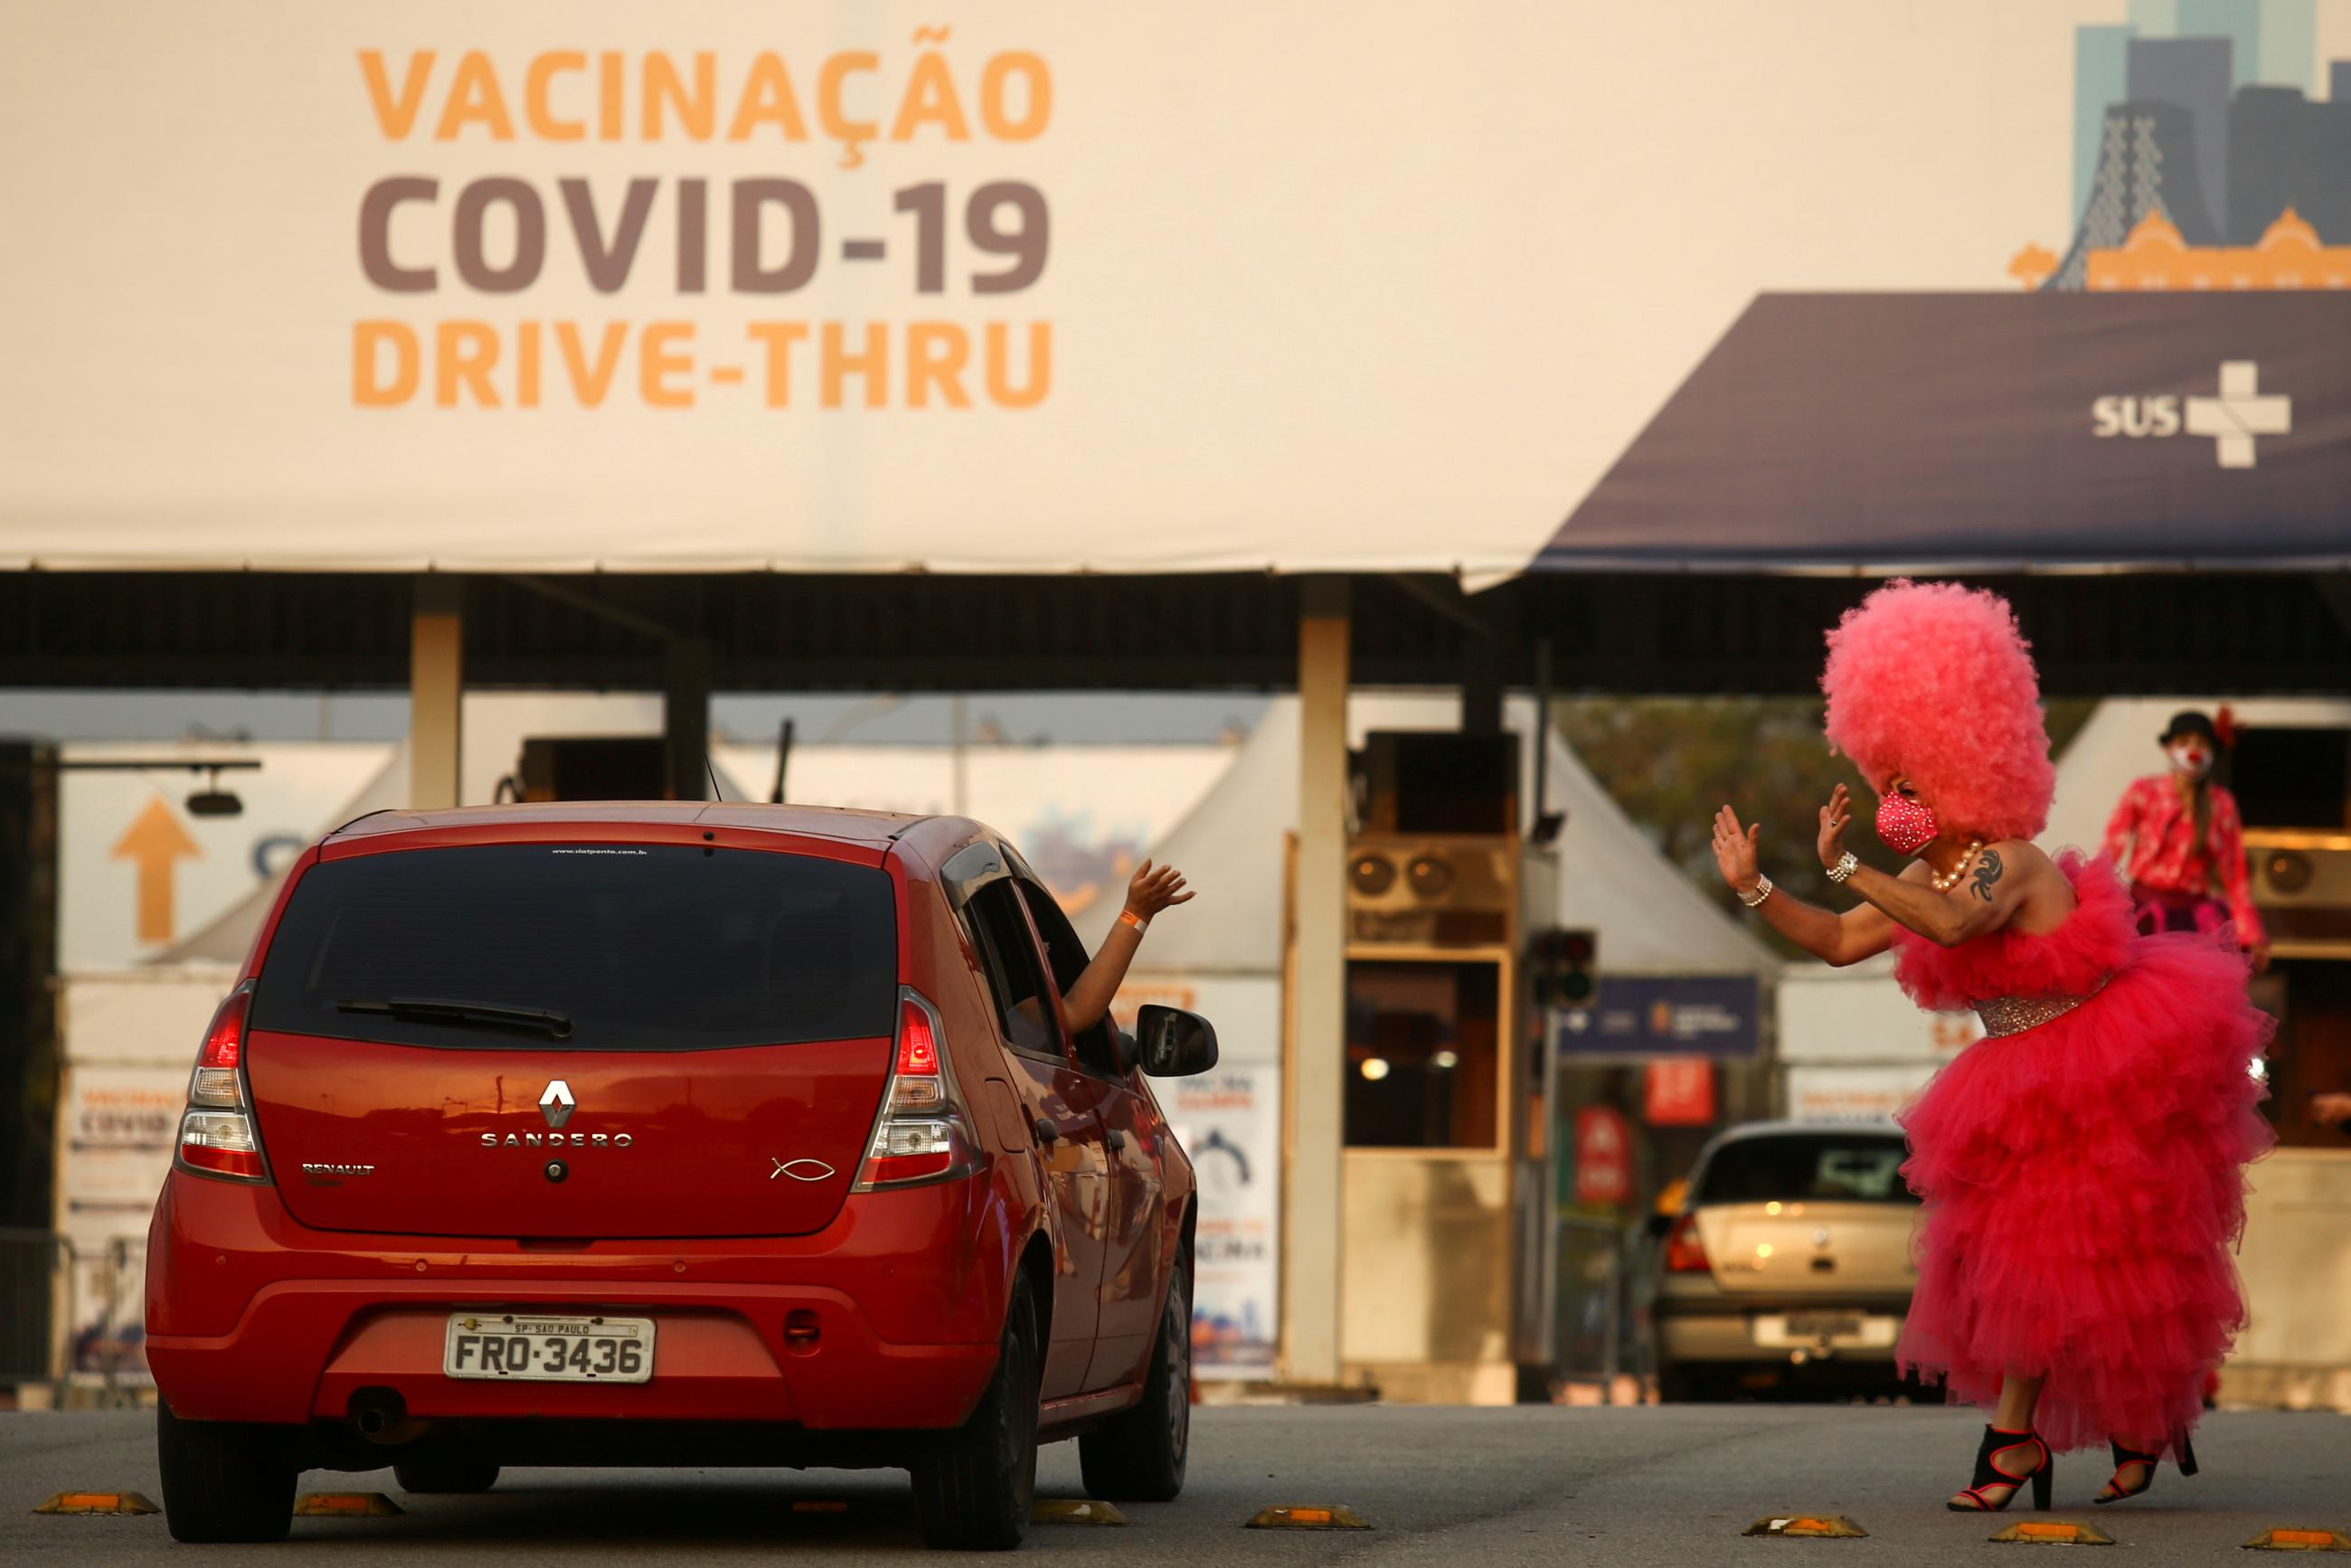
(1906, 826)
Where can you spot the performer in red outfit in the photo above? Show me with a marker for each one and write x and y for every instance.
(2179, 840)
(2082, 1164)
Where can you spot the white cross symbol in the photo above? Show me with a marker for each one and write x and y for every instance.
(2239, 413)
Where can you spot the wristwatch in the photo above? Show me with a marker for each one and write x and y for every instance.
(1846, 866)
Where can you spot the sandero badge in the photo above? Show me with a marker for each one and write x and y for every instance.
(556, 1103)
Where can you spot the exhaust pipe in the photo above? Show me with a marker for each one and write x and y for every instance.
(380, 1415)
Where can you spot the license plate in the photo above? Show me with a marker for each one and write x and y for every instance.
(1842, 1330)
(525, 1348)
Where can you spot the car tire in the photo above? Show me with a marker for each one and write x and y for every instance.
(975, 1489)
(224, 1481)
(1137, 1456)
(445, 1473)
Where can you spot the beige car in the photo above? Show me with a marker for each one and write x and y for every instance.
(1788, 1266)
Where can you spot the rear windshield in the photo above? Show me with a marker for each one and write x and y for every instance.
(584, 948)
(1833, 1167)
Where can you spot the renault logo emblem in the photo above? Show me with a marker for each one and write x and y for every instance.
(557, 1104)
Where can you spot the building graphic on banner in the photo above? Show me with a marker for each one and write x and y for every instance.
(2200, 161)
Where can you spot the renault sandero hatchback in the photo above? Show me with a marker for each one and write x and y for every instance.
(670, 1134)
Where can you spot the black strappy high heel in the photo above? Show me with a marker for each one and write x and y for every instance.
(1989, 1474)
(2132, 1457)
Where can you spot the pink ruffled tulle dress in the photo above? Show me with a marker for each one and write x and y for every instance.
(2082, 1176)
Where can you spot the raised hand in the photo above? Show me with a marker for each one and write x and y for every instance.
(1153, 889)
(1834, 817)
(1734, 851)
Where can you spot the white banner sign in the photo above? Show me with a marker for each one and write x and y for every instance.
(1035, 285)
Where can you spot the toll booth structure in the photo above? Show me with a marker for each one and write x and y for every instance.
(1444, 1177)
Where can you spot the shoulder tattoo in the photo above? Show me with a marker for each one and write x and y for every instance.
(1987, 869)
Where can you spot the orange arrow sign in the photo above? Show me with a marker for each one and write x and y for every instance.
(155, 842)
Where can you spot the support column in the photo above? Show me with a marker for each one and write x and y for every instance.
(1311, 1176)
(1482, 687)
(436, 687)
(685, 720)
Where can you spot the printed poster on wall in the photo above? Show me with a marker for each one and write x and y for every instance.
(1230, 1121)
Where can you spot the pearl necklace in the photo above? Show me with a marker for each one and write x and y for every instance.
(1942, 883)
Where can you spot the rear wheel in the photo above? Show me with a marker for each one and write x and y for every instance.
(445, 1473)
(1138, 1456)
(224, 1481)
(975, 1489)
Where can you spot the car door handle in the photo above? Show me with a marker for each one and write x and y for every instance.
(1048, 1131)
(1114, 1140)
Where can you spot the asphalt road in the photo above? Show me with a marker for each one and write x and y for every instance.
(1635, 1486)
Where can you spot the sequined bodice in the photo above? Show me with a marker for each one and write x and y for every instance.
(2015, 1014)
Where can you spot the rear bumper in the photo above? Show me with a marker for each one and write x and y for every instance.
(255, 1318)
(306, 1347)
(1718, 1329)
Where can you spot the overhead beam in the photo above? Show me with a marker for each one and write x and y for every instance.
(1626, 635)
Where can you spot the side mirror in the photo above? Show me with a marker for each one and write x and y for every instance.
(1174, 1044)
(1659, 1225)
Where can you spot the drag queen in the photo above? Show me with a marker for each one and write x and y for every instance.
(2082, 1164)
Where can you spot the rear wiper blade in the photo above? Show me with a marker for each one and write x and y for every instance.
(466, 1015)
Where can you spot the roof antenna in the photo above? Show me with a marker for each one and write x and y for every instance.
(712, 768)
(783, 755)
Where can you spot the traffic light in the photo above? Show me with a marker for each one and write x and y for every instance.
(1562, 966)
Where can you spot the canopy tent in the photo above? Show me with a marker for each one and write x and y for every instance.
(1651, 920)
(1934, 432)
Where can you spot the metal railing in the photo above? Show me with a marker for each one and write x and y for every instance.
(1599, 1333)
(74, 1318)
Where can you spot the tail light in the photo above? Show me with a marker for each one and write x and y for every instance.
(923, 1134)
(217, 1137)
(1685, 1253)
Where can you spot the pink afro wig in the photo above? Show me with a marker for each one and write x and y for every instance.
(1935, 681)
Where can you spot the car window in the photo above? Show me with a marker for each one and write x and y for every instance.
(1833, 1168)
(1068, 956)
(635, 946)
(1015, 975)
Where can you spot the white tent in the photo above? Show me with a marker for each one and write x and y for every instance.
(1651, 919)
(2118, 745)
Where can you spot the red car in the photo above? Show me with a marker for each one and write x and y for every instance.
(670, 1134)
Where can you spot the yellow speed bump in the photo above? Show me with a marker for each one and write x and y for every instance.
(2054, 1533)
(1329, 1516)
(345, 1505)
(1074, 1511)
(1807, 1526)
(98, 1502)
(2290, 1538)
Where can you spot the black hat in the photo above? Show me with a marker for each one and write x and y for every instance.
(2190, 723)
